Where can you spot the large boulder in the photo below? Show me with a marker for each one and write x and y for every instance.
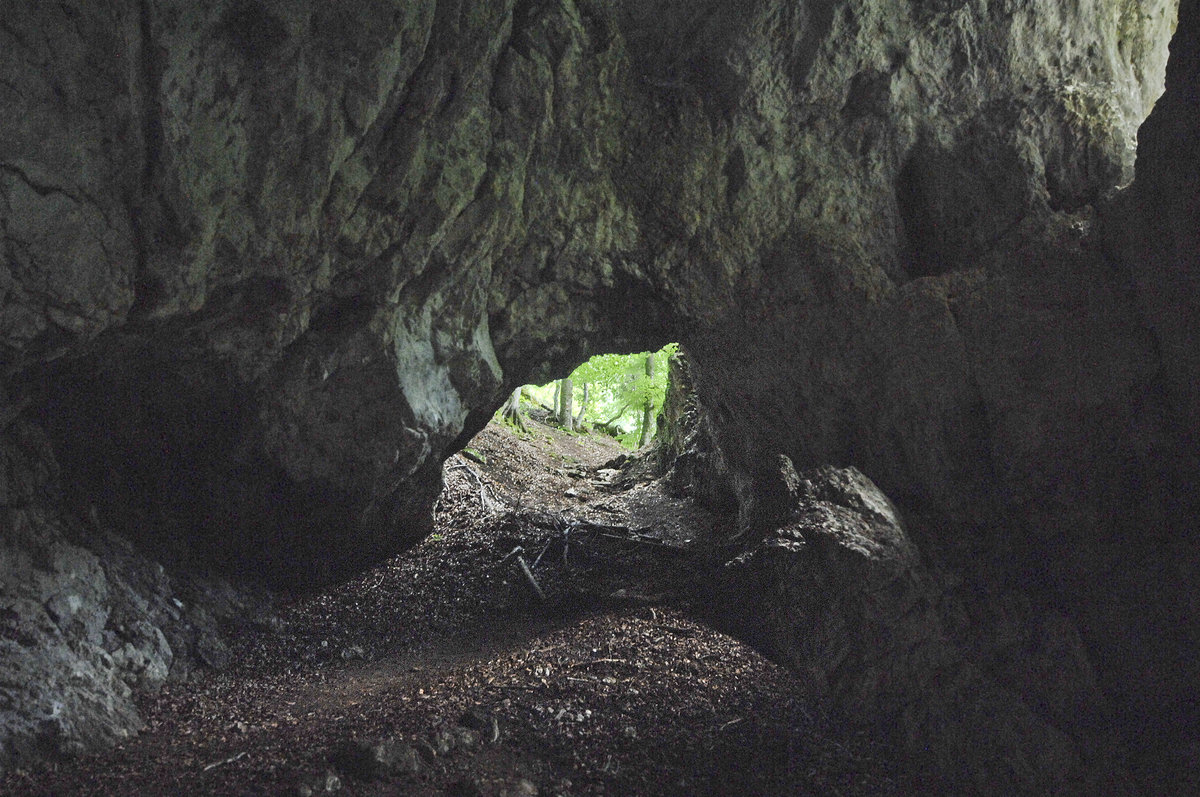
(838, 592)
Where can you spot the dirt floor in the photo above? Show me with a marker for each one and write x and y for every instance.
(444, 672)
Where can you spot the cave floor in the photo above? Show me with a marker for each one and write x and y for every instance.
(611, 685)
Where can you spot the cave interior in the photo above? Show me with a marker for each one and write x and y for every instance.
(267, 265)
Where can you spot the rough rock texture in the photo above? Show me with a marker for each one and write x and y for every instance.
(85, 620)
(265, 263)
(685, 443)
(314, 236)
(839, 592)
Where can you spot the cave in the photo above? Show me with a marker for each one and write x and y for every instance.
(267, 266)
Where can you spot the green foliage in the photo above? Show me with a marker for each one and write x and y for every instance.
(618, 391)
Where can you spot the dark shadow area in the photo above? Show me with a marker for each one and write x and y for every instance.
(445, 672)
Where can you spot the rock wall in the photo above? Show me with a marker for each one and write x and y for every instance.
(87, 620)
(1153, 233)
(685, 447)
(265, 264)
(839, 592)
(257, 246)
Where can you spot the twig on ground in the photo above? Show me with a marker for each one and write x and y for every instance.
(515, 555)
(483, 504)
(229, 760)
(598, 661)
(529, 577)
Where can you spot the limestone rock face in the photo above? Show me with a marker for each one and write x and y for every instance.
(86, 620)
(264, 264)
(686, 443)
(840, 593)
(294, 249)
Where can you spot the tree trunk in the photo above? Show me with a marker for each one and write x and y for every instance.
(566, 409)
(512, 410)
(648, 407)
(583, 405)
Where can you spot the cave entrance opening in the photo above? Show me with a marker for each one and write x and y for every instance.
(570, 470)
(618, 395)
(575, 581)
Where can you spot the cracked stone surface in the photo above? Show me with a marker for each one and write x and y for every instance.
(266, 264)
